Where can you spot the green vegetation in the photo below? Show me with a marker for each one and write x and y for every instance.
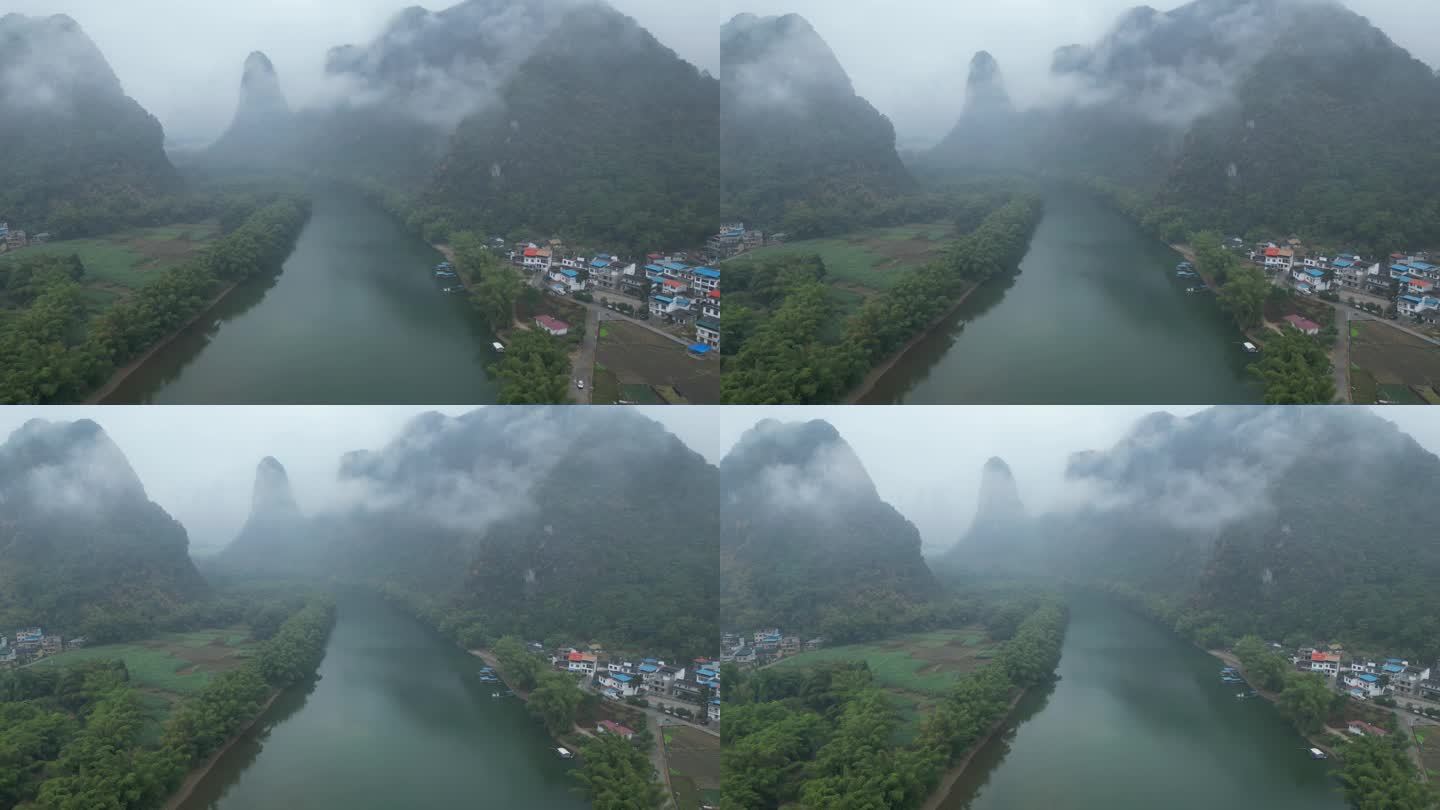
(1296, 370)
(59, 353)
(788, 345)
(870, 259)
(825, 737)
(617, 775)
(72, 736)
(180, 663)
(125, 259)
(1379, 775)
(534, 371)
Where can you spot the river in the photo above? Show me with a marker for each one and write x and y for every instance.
(1095, 315)
(397, 719)
(355, 316)
(1139, 719)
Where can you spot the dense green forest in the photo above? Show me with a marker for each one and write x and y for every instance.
(1311, 544)
(1347, 160)
(789, 348)
(825, 737)
(58, 350)
(71, 738)
(80, 156)
(1379, 775)
(840, 561)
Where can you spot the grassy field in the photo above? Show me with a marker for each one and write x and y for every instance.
(873, 259)
(1395, 366)
(170, 666)
(916, 669)
(128, 259)
(693, 758)
(640, 365)
(1428, 737)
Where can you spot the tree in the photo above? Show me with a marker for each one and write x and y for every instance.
(555, 700)
(1305, 701)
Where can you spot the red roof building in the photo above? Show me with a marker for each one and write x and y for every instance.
(1309, 327)
(554, 326)
(612, 727)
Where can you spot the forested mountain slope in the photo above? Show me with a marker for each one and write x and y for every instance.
(81, 545)
(806, 541)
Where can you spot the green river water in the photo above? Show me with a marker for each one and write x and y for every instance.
(397, 719)
(1096, 315)
(1139, 720)
(355, 317)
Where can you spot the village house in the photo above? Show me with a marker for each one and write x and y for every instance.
(29, 640)
(1360, 728)
(1279, 259)
(1325, 663)
(1417, 306)
(789, 645)
(814, 644)
(705, 279)
(1407, 681)
(554, 326)
(612, 727)
(1303, 324)
(536, 258)
(713, 711)
(576, 661)
(688, 690)
(1310, 279)
(571, 279)
(745, 656)
(50, 645)
(620, 666)
(618, 684)
(707, 331)
(1363, 685)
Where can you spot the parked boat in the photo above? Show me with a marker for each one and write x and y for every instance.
(564, 753)
(1250, 347)
(1316, 753)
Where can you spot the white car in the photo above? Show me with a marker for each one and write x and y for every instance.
(580, 384)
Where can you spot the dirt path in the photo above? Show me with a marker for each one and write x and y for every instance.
(121, 374)
(874, 375)
(198, 773)
(947, 782)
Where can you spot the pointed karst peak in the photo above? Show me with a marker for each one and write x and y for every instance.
(985, 91)
(258, 64)
(999, 495)
(272, 489)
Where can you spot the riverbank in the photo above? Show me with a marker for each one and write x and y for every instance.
(123, 373)
(875, 374)
(199, 772)
(948, 780)
(1315, 741)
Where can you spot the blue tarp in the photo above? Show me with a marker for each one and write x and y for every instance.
(699, 348)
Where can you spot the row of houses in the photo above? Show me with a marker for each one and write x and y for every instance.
(618, 678)
(1370, 678)
(763, 646)
(674, 289)
(14, 239)
(1416, 279)
(31, 644)
(734, 238)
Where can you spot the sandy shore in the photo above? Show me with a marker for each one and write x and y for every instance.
(879, 371)
(124, 372)
(199, 772)
(947, 782)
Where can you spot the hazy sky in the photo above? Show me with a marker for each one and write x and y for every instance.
(909, 57)
(181, 59)
(926, 460)
(198, 462)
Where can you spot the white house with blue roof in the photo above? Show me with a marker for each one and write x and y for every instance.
(1417, 306)
(621, 684)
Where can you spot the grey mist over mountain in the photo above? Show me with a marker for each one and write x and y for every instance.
(922, 88)
(178, 59)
